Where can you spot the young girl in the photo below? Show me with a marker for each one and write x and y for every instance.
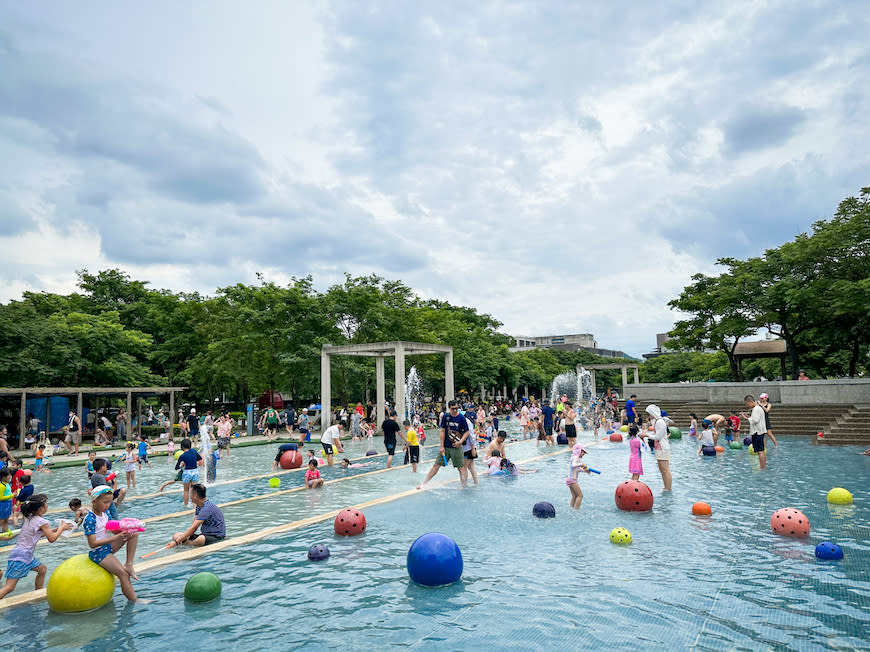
(635, 465)
(170, 449)
(104, 545)
(573, 471)
(693, 426)
(5, 498)
(21, 559)
(764, 402)
(130, 459)
(312, 476)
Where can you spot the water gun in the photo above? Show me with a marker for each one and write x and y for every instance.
(9, 534)
(111, 477)
(126, 525)
(589, 470)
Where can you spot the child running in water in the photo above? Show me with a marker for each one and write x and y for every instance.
(144, 446)
(635, 465)
(5, 498)
(103, 545)
(21, 559)
(574, 469)
(312, 476)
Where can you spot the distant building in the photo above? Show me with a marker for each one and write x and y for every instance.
(571, 342)
(661, 340)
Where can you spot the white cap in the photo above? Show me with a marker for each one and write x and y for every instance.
(193, 410)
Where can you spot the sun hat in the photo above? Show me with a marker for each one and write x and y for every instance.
(99, 491)
(763, 396)
(579, 449)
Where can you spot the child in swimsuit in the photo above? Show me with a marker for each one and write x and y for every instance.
(574, 469)
(103, 545)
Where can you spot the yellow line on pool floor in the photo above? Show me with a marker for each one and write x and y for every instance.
(38, 595)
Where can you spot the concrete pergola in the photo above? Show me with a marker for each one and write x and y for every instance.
(625, 367)
(80, 393)
(379, 351)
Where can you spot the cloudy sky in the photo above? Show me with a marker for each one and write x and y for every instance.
(565, 166)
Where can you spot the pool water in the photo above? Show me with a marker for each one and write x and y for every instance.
(709, 583)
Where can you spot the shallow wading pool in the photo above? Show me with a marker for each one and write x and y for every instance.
(720, 582)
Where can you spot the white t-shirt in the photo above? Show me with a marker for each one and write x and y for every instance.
(330, 435)
(662, 434)
(27, 538)
(757, 424)
(707, 437)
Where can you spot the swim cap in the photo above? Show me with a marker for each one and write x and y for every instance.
(99, 491)
(763, 396)
(706, 423)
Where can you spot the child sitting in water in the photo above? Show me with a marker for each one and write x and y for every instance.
(21, 559)
(103, 545)
(707, 438)
(312, 476)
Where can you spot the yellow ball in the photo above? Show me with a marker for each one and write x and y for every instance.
(274, 483)
(178, 454)
(840, 496)
(79, 584)
(624, 429)
(620, 535)
(751, 449)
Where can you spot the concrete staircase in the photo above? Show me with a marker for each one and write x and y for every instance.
(841, 424)
(849, 429)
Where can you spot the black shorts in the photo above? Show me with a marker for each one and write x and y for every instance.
(414, 454)
(327, 448)
(548, 430)
(391, 447)
(212, 538)
(469, 455)
(143, 458)
(571, 431)
(758, 443)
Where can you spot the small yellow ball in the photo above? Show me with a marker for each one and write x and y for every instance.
(620, 535)
(79, 584)
(840, 496)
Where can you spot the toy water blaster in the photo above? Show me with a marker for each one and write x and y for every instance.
(111, 477)
(9, 534)
(126, 525)
(595, 471)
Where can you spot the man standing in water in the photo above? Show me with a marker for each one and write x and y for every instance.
(570, 427)
(391, 429)
(454, 432)
(757, 428)
(662, 447)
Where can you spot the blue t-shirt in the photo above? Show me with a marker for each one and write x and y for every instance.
(548, 413)
(143, 448)
(193, 424)
(629, 409)
(212, 520)
(454, 427)
(24, 493)
(188, 458)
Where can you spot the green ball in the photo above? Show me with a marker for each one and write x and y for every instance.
(735, 445)
(676, 433)
(274, 482)
(620, 535)
(202, 587)
(752, 450)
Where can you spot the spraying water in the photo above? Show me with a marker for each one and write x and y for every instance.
(584, 385)
(565, 384)
(207, 457)
(413, 393)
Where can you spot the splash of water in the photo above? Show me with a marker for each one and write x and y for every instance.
(207, 458)
(565, 384)
(584, 384)
(413, 393)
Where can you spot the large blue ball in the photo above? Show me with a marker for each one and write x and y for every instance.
(544, 510)
(747, 441)
(318, 552)
(434, 559)
(828, 550)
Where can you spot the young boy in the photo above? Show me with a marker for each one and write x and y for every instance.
(190, 461)
(40, 459)
(79, 512)
(412, 443)
(144, 447)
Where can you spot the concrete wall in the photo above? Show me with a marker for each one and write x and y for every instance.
(787, 392)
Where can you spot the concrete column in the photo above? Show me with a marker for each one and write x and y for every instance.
(592, 379)
(48, 418)
(636, 378)
(138, 416)
(449, 388)
(129, 415)
(624, 378)
(526, 391)
(22, 422)
(172, 410)
(79, 413)
(504, 393)
(400, 383)
(380, 392)
(325, 392)
(482, 393)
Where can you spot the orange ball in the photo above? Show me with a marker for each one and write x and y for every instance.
(720, 449)
(701, 509)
